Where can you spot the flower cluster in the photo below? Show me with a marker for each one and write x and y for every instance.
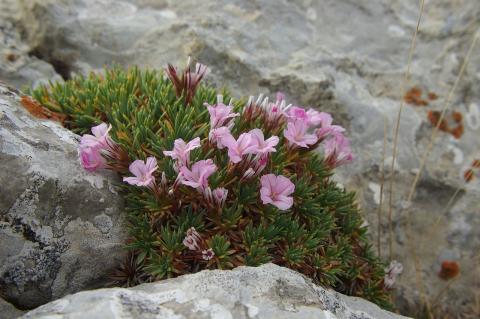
(249, 151)
(251, 147)
(212, 182)
(300, 121)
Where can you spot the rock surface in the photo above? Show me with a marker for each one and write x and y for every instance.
(263, 292)
(61, 228)
(8, 311)
(343, 56)
(18, 66)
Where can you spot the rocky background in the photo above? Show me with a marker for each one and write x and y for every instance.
(347, 57)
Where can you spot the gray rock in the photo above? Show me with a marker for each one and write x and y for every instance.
(8, 311)
(343, 56)
(18, 64)
(269, 291)
(61, 228)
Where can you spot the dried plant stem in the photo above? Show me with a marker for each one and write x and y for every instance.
(447, 208)
(397, 126)
(441, 292)
(434, 226)
(422, 165)
(382, 182)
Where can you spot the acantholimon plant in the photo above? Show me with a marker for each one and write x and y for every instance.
(212, 182)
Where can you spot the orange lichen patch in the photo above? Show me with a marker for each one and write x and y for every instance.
(468, 175)
(476, 163)
(415, 92)
(434, 117)
(37, 110)
(414, 96)
(457, 132)
(432, 96)
(450, 269)
(457, 116)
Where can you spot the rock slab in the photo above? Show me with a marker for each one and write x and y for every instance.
(269, 291)
(61, 228)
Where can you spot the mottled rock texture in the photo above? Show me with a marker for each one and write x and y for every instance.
(61, 228)
(267, 292)
(343, 56)
(18, 64)
(8, 311)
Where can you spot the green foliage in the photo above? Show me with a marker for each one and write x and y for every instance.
(320, 236)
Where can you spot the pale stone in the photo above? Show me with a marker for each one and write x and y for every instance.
(265, 292)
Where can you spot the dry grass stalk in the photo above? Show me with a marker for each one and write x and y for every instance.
(382, 183)
(397, 125)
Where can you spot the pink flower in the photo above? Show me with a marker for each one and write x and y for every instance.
(200, 71)
(216, 135)
(296, 133)
(91, 158)
(220, 114)
(181, 150)
(314, 118)
(187, 81)
(220, 195)
(143, 172)
(248, 173)
(198, 176)
(327, 129)
(391, 272)
(100, 137)
(275, 110)
(280, 96)
(275, 190)
(337, 150)
(296, 113)
(193, 239)
(310, 117)
(91, 147)
(263, 146)
(244, 145)
(208, 254)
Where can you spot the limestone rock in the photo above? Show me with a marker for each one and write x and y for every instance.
(18, 64)
(269, 291)
(8, 311)
(52, 242)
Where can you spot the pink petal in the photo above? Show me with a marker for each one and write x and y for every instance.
(229, 141)
(151, 164)
(193, 144)
(171, 154)
(284, 186)
(191, 183)
(257, 135)
(265, 195)
(283, 202)
(272, 141)
(137, 168)
(310, 139)
(101, 130)
(132, 180)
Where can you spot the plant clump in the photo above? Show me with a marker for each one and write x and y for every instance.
(212, 182)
